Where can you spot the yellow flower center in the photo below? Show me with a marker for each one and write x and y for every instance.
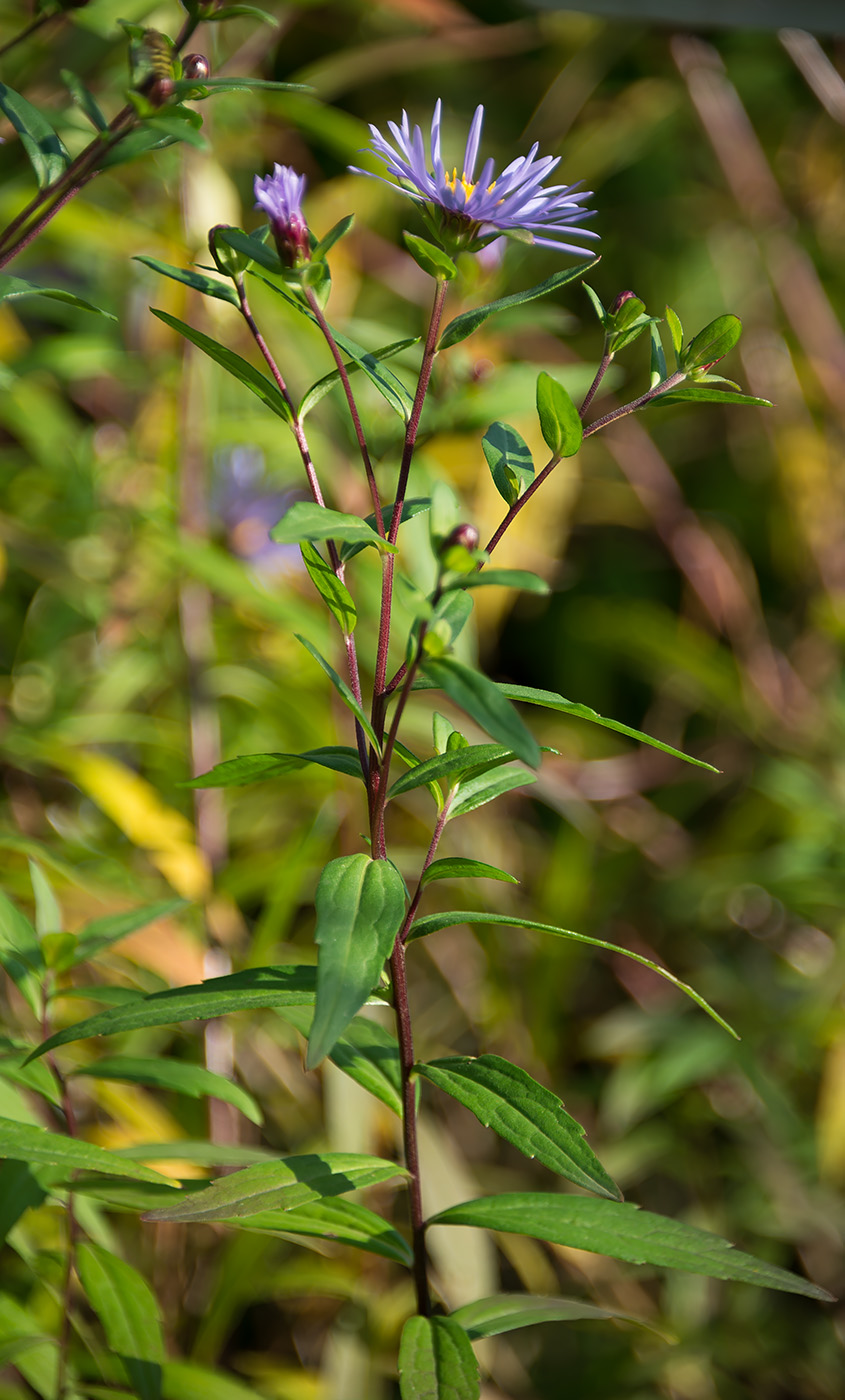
(469, 185)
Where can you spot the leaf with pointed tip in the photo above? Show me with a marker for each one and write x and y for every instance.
(335, 1219)
(460, 868)
(659, 370)
(498, 578)
(305, 520)
(699, 393)
(47, 155)
(466, 324)
(360, 905)
(20, 952)
(129, 1313)
(436, 1361)
(505, 1098)
(366, 1052)
(324, 386)
(623, 1231)
(281, 1185)
(713, 343)
(481, 699)
(16, 288)
(432, 923)
(84, 99)
(26, 1142)
(560, 421)
(20, 1189)
(507, 1312)
(331, 589)
(430, 258)
(415, 506)
(260, 767)
(102, 933)
(477, 792)
(550, 700)
(343, 691)
(450, 765)
(258, 383)
(197, 281)
(180, 1078)
(509, 459)
(240, 991)
(676, 331)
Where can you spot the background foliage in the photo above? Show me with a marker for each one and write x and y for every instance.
(145, 631)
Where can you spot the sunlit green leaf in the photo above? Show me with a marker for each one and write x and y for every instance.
(129, 1313)
(305, 520)
(25, 1142)
(559, 419)
(366, 1052)
(483, 702)
(436, 1361)
(507, 1312)
(461, 868)
(189, 277)
(335, 1219)
(343, 691)
(17, 289)
(175, 1075)
(47, 155)
(451, 765)
(430, 258)
(331, 589)
(469, 321)
(241, 369)
(260, 767)
(20, 952)
(509, 459)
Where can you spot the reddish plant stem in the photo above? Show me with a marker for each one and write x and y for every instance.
(604, 366)
(409, 1123)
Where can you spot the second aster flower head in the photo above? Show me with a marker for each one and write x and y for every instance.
(280, 196)
(471, 209)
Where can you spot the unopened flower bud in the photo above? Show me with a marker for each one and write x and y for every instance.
(617, 304)
(280, 196)
(195, 67)
(464, 535)
(159, 90)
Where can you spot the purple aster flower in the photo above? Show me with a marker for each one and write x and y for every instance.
(280, 196)
(482, 207)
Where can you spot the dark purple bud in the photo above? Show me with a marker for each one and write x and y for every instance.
(617, 304)
(196, 67)
(464, 535)
(158, 91)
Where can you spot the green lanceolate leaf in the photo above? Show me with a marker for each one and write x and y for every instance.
(459, 868)
(17, 289)
(193, 1080)
(260, 767)
(550, 700)
(481, 699)
(676, 331)
(128, 1311)
(699, 393)
(331, 589)
(83, 99)
(47, 155)
(240, 991)
(20, 952)
(258, 383)
(505, 1098)
(432, 923)
(659, 371)
(465, 325)
(48, 914)
(197, 281)
(26, 1142)
(360, 905)
(450, 765)
(623, 1232)
(335, 233)
(20, 1190)
(415, 506)
(335, 1219)
(436, 1361)
(305, 520)
(560, 423)
(509, 459)
(713, 343)
(402, 751)
(37, 1363)
(102, 933)
(281, 1185)
(477, 792)
(498, 578)
(324, 386)
(36, 1077)
(507, 1312)
(343, 691)
(366, 1052)
(430, 258)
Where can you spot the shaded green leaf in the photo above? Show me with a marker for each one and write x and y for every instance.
(183, 86)
(466, 324)
(431, 923)
(659, 371)
(360, 905)
(507, 1312)
(676, 331)
(241, 369)
(560, 422)
(430, 258)
(37, 1077)
(26, 1142)
(623, 1231)
(184, 1380)
(84, 99)
(197, 281)
(509, 459)
(305, 520)
(477, 792)
(180, 124)
(450, 765)
(366, 1052)
(415, 506)
(505, 1098)
(335, 233)
(550, 700)
(16, 289)
(20, 1190)
(192, 1080)
(436, 1361)
(335, 1219)
(47, 155)
(38, 1364)
(240, 991)
(20, 952)
(699, 393)
(460, 868)
(260, 767)
(713, 343)
(331, 589)
(343, 691)
(482, 700)
(327, 383)
(499, 578)
(281, 1185)
(129, 1314)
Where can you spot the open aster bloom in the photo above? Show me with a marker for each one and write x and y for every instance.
(280, 196)
(473, 209)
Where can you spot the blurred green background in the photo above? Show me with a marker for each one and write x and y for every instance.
(697, 558)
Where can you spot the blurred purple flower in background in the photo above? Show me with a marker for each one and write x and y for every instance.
(483, 208)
